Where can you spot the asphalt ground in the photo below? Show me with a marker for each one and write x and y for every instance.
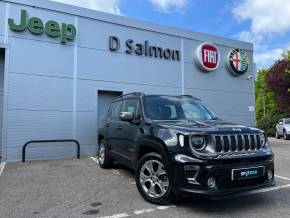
(80, 188)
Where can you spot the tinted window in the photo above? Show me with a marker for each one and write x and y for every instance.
(116, 109)
(287, 121)
(129, 105)
(175, 108)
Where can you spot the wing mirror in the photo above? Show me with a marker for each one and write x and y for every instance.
(280, 123)
(126, 116)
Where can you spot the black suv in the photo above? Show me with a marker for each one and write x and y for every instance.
(176, 146)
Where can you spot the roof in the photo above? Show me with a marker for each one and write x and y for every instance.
(133, 23)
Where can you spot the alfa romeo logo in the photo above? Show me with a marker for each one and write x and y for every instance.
(238, 62)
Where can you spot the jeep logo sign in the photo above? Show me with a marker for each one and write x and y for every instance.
(65, 32)
(208, 56)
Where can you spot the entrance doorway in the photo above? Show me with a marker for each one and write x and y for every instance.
(105, 98)
(2, 62)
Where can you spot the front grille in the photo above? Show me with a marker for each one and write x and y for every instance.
(237, 143)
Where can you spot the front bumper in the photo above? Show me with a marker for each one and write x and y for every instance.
(190, 177)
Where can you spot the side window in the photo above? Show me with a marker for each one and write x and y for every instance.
(115, 111)
(129, 105)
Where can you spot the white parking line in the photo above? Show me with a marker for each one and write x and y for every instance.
(282, 177)
(2, 165)
(139, 212)
(116, 172)
(94, 159)
(119, 215)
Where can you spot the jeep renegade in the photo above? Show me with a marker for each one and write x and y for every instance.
(177, 146)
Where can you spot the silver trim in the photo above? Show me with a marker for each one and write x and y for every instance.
(185, 159)
(244, 144)
(230, 144)
(236, 136)
(237, 144)
(222, 143)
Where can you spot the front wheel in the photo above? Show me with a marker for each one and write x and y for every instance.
(277, 135)
(286, 137)
(104, 160)
(152, 180)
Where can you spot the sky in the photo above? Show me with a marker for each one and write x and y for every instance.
(266, 23)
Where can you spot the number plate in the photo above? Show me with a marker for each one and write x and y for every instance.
(248, 173)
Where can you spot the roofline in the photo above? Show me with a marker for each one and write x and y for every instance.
(141, 94)
(130, 22)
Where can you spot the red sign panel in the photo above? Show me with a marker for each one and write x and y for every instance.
(208, 56)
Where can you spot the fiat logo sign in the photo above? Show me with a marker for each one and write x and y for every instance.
(208, 56)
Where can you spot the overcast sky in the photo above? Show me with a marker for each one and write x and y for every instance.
(264, 22)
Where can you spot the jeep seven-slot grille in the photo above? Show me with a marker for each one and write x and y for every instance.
(237, 143)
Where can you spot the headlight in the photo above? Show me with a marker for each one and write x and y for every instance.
(263, 139)
(198, 142)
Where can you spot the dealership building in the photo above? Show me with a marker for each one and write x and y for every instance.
(61, 66)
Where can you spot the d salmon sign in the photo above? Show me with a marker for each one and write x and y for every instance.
(208, 56)
(238, 62)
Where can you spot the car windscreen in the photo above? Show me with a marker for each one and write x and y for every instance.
(287, 121)
(175, 108)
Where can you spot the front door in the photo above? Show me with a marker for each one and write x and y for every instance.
(128, 131)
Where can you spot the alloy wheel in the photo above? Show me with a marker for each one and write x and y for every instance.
(101, 156)
(153, 179)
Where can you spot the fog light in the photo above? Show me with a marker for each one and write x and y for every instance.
(211, 182)
(270, 175)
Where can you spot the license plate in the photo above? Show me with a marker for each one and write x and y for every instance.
(248, 173)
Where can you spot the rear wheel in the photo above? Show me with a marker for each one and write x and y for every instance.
(104, 160)
(286, 137)
(152, 180)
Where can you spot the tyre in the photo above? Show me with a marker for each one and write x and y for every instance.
(104, 160)
(277, 135)
(286, 137)
(152, 180)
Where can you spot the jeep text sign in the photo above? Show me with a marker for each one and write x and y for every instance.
(66, 32)
(208, 56)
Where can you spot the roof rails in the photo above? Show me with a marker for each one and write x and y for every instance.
(190, 96)
(130, 94)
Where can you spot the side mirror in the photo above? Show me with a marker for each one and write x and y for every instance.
(280, 123)
(126, 116)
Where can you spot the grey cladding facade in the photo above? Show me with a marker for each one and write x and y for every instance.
(51, 89)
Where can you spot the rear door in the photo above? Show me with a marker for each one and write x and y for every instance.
(112, 126)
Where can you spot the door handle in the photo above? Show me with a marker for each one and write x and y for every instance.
(119, 127)
(107, 125)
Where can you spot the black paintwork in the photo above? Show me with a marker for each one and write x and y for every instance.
(129, 141)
